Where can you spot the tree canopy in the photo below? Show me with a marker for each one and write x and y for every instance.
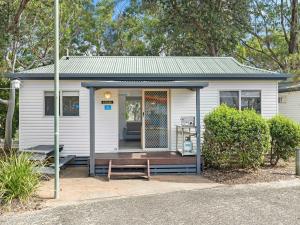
(263, 33)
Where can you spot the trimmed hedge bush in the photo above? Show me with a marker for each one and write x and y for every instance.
(285, 135)
(234, 138)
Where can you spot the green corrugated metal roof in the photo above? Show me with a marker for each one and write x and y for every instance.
(139, 67)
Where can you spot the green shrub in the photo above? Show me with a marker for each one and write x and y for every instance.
(285, 134)
(234, 138)
(19, 178)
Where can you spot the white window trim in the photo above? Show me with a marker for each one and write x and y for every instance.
(240, 96)
(60, 101)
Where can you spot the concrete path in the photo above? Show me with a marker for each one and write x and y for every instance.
(274, 203)
(77, 186)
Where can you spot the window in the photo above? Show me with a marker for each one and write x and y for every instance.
(230, 98)
(133, 109)
(49, 103)
(282, 99)
(251, 100)
(70, 103)
(69, 106)
(245, 99)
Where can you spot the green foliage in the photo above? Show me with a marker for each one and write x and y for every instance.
(235, 138)
(208, 27)
(272, 40)
(285, 134)
(132, 30)
(255, 51)
(19, 178)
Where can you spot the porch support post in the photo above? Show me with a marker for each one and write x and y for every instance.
(198, 131)
(92, 132)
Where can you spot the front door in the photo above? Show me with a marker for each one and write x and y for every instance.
(155, 120)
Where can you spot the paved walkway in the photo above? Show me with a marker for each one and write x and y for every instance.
(77, 186)
(275, 203)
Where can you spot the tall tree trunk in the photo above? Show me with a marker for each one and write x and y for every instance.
(9, 119)
(13, 30)
(293, 43)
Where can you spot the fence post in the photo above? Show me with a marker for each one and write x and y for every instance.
(298, 161)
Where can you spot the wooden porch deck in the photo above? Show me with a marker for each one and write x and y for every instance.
(159, 158)
(160, 161)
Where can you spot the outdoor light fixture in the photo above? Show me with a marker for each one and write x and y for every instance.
(107, 95)
(16, 84)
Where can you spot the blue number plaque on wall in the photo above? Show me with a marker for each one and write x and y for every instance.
(107, 107)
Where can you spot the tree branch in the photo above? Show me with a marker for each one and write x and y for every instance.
(247, 60)
(293, 44)
(282, 23)
(12, 27)
(264, 53)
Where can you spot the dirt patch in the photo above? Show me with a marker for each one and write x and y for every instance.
(35, 203)
(267, 173)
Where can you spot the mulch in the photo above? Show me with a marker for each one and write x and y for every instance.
(267, 173)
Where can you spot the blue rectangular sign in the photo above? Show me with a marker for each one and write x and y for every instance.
(107, 107)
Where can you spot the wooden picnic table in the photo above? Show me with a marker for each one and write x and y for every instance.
(43, 149)
(44, 152)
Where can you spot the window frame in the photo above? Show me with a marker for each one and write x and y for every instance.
(240, 96)
(260, 95)
(60, 102)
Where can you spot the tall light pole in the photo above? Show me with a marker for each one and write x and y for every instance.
(56, 99)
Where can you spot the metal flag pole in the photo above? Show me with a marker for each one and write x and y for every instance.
(56, 99)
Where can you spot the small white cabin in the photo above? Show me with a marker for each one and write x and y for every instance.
(289, 100)
(133, 104)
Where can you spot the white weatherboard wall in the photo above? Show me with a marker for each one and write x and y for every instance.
(106, 122)
(36, 129)
(290, 106)
(183, 101)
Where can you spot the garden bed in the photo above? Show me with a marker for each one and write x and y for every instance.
(34, 204)
(267, 173)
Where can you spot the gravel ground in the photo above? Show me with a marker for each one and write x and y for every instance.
(275, 203)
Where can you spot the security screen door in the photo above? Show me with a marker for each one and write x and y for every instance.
(155, 119)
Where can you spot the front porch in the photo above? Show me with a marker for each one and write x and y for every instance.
(158, 152)
(161, 162)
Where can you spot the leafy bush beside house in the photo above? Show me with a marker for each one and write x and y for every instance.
(285, 135)
(235, 138)
(19, 178)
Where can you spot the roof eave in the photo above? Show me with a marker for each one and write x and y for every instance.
(288, 89)
(147, 84)
(150, 77)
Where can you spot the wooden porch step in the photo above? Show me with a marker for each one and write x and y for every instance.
(134, 172)
(128, 166)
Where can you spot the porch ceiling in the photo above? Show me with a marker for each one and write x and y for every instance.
(144, 84)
